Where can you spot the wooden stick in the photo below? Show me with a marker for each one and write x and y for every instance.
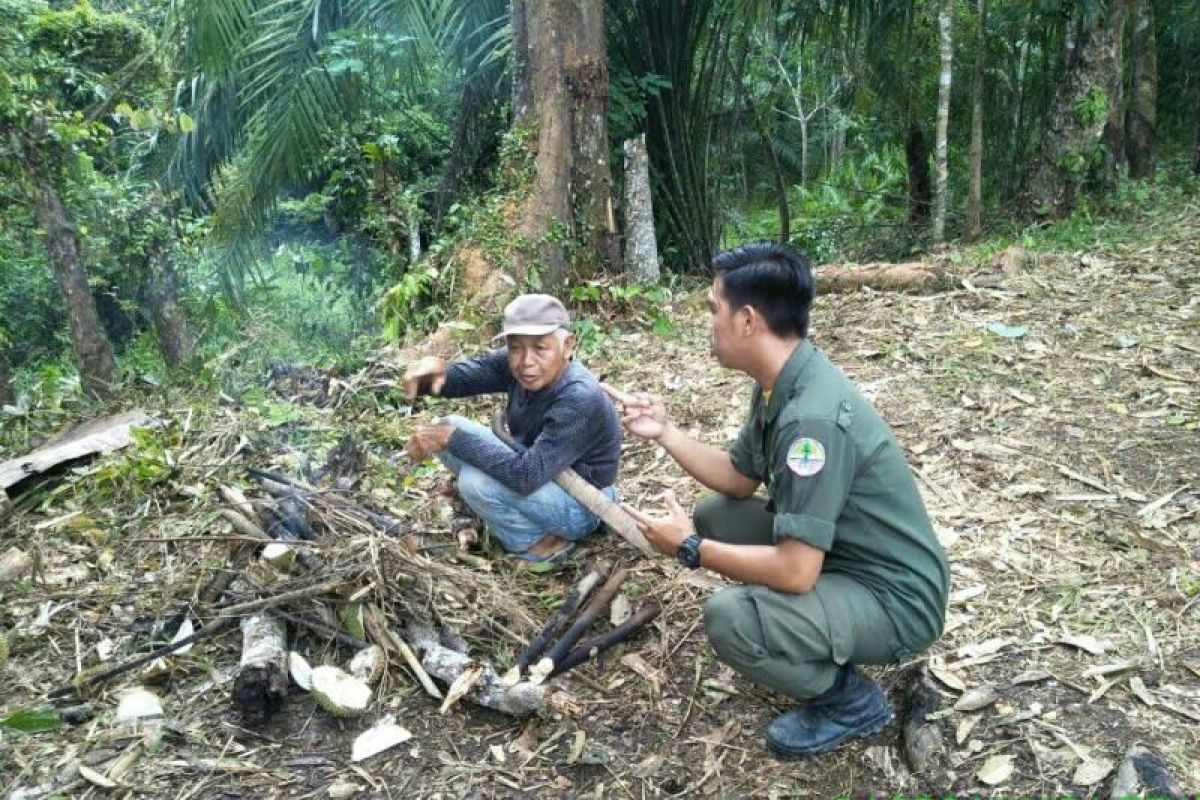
(560, 617)
(274, 600)
(244, 526)
(84, 682)
(321, 628)
(282, 486)
(596, 645)
(387, 638)
(589, 497)
(235, 498)
(594, 609)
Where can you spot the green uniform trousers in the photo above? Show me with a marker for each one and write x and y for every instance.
(793, 643)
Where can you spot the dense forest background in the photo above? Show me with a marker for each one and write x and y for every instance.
(187, 185)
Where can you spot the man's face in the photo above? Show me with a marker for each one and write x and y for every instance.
(722, 331)
(537, 361)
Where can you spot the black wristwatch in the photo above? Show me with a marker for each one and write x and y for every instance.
(689, 551)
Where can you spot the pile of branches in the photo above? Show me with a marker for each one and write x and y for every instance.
(303, 559)
(314, 560)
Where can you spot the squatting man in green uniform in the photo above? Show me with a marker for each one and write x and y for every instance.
(839, 565)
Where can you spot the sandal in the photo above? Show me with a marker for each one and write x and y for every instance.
(557, 557)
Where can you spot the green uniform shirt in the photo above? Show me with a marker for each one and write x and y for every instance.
(837, 480)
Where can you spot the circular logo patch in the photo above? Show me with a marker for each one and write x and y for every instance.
(806, 457)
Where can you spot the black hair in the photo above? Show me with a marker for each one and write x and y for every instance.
(775, 279)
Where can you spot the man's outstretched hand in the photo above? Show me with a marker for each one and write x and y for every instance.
(664, 534)
(427, 375)
(642, 414)
(429, 439)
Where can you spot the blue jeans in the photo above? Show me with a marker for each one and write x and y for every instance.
(518, 521)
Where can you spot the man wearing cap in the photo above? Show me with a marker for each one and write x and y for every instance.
(557, 414)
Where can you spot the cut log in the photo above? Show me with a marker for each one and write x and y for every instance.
(923, 738)
(387, 638)
(13, 565)
(592, 611)
(912, 276)
(261, 685)
(1143, 774)
(589, 497)
(486, 689)
(590, 648)
(559, 618)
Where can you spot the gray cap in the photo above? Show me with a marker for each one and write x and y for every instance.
(533, 315)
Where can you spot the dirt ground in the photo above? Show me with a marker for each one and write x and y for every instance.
(1050, 411)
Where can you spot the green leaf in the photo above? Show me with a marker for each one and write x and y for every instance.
(34, 720)
(1008, 331)
(186, 123)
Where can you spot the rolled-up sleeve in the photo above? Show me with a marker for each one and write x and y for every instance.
(809, 495)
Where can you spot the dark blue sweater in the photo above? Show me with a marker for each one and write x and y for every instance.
(568, 424)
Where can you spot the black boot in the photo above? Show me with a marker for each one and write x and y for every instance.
(853, 706)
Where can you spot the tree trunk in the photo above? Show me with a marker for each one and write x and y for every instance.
(571, 197)
(414, 233)
(547, 216)
(586, 73)
(837, 140)
(175, 339)
(1114, 163)
(1140, 120)
(93, 352)
(1196, 137)
(1079, 118)
(522, 86)
(641, 245)
(785, 214)
(916, 154)
(6, 390)
(946, 42)
(975, 198)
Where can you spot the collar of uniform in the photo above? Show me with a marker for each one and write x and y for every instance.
(785, 382)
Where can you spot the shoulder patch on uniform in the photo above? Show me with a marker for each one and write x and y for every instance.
(806, 457)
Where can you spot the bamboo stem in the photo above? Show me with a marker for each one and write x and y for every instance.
(596, 645)
(594, 609)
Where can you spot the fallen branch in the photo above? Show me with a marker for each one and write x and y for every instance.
(278, 599)
(546, 667)
(224, 621)
(596, 645)
(589, 497)
(560, 617)
(260, 688)
(911, 276)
